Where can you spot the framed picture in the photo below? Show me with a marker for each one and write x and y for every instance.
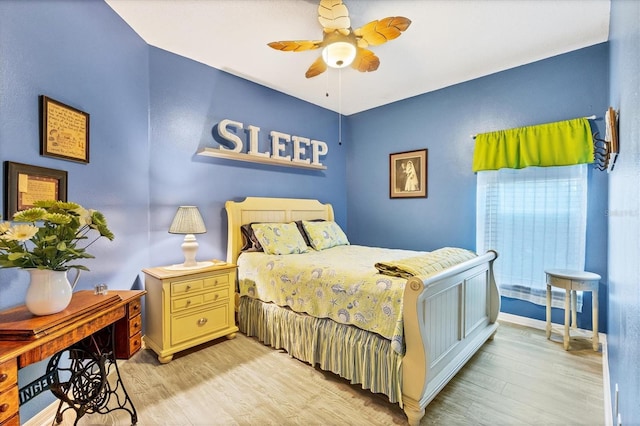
(64, 131)
(25, 184)
(408, 174)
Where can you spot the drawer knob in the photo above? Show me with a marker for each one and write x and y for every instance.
(4, 407)
(202, 321)
(188, 288)
(136, 324)
(3, 377)
(188, 302)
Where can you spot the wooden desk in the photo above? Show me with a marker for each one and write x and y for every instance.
(26, 339)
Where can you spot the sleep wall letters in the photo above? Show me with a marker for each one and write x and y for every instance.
(303, 150)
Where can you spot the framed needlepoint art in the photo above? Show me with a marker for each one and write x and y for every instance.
(408, 174)
(64, 131)
(25, 184)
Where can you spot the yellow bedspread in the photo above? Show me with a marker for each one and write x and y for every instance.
(425, 264)
(340, 283)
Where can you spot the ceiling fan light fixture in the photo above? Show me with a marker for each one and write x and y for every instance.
(341, 45)
(339, 54)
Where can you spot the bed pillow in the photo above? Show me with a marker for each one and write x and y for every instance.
(303, 232)
(279, 238)
(324, 235)
(251, 243)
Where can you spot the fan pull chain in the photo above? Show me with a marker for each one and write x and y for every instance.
(339, 106)
(339, 103)
(327, 86)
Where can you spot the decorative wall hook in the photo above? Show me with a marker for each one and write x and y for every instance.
(605, 151)
(601, 152)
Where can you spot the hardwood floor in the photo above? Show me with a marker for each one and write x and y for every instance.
(519, 378)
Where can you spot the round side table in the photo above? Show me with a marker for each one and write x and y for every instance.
(573, 281)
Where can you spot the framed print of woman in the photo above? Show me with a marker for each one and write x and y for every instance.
(408, 174)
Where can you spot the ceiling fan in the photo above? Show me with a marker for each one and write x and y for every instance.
(341, 45)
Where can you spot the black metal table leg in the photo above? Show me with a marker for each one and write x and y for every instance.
(83, 384)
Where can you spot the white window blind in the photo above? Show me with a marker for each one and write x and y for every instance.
(536, 219)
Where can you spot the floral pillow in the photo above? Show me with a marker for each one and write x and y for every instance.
(279, 238)
(303, 232)
(324, 235)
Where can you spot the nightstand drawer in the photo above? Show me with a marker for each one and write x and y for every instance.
(180, 288)
(216, 280)
(178, 305)
(199, 324)
(8, 374)
(217, 295)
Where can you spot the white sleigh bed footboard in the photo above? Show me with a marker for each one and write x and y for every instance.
(447, 317)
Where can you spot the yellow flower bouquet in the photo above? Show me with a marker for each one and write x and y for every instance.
(50, 236)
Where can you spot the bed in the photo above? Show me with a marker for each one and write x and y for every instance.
(446, 316)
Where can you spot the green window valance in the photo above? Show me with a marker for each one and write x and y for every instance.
(554, 144)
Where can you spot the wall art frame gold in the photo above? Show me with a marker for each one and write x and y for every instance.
(64, 131)
(25, 184)
(408, 174)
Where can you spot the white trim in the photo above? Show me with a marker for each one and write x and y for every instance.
(527, 322)
(606, 382)
(44, 417)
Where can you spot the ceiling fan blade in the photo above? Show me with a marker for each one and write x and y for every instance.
(333, 15)
(381, 31)
(317, 68)
(365, 61)
(295, 45)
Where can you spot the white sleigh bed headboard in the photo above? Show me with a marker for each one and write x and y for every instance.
(260, 209)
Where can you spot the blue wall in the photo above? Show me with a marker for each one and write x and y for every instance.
(624, 213)
(563, 87)
(188, 99)
(59, 49)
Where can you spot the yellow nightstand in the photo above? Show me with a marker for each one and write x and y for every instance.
(185, 308)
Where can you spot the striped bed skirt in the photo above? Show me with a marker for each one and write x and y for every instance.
(357, 355)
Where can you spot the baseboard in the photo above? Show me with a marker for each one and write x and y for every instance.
(44, 417)
(606, 382)
(602, 337)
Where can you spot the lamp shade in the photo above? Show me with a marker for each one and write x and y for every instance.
(187, 221)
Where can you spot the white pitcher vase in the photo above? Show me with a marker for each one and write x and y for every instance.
(49, 291)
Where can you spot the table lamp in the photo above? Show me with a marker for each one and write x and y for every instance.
(188, 221)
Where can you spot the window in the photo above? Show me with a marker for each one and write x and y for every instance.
(535, 218)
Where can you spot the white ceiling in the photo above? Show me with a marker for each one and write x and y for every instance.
(448, 42)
